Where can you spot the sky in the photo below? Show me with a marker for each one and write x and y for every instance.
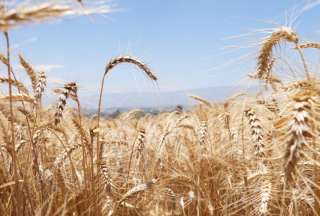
(188, 44)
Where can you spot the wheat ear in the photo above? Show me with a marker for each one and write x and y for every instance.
(300, 131)
(138, 189)
(200, 99)
(19, 85)
(41, 84)
(256, 131)
(265, 196)
(61, 157)
(310, 45)
(19, 98)
(139, 142)
(30, 71)
(70, 89)
(30, 14)
(265, 55)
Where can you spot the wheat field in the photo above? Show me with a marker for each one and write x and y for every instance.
(249, 155)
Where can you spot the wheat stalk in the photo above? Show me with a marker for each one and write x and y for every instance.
(111, 64)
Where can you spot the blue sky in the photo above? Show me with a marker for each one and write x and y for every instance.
(189, 44)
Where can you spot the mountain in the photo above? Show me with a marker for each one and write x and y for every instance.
(150, 100)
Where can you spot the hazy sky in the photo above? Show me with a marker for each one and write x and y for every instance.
(189, 44)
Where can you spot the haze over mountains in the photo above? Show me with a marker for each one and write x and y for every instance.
(158, 100)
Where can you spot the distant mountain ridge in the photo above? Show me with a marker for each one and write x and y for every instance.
(160, 99)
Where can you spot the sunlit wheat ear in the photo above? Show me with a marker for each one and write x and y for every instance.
(203, 136)
(106, 176)
(30, 14)
(18, 98)
(119, 60)
(310, 45)
(108, 206)
(138, 189)
(256, 131)
(4, 59)
(265, 55)
(127, 59)
(73, 90)
(141, 140)
(271, 78)
(200, 99)
(298, 86)
(41, 11)
(265, 197)
(111, 64)
(61, 157)
(62, 101)
(20, 138)
(30, 71)
(203, 132)
(40, 86)
(69, 90)
(300, 131)
(105, 173)
(272, 106)
(81, 131)
(139, 145)
(19, 85)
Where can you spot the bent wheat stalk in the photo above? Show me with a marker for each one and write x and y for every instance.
(112, 63)
(265, 56)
